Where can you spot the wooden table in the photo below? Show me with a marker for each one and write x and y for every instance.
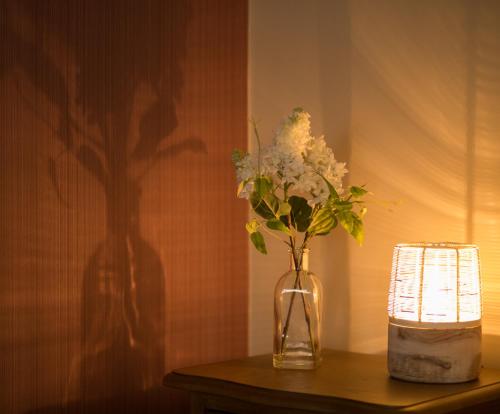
(345, 383)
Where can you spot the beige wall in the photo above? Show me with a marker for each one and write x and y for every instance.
(408, 93)
(299, 56)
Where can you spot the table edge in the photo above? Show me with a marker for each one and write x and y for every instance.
(226, 388)
(261, 395)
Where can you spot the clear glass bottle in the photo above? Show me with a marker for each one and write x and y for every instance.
(297, 316)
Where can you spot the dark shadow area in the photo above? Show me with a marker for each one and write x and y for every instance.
(112, 72)
(156, 399)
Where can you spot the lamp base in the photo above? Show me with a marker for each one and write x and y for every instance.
(434, 355)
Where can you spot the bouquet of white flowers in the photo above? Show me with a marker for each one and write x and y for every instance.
(295, 186)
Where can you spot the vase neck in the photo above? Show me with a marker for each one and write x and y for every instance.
(299, 258)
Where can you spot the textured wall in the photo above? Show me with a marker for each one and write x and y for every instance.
(122, 254)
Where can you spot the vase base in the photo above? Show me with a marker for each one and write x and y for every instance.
(290, 362)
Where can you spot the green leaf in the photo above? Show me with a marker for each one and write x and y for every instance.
(295, 112)
(357, 230)
(258, 241)
(323, 222)
(342, 205)
(301, 212)
(276, 224)
(357, 191)
(263, 201)
(333, 193)
(237, 155)
(284, 209)
(266, 206)
(252, 226)
(346, 220)
(241, 186)
(353, 224)
(263, 185)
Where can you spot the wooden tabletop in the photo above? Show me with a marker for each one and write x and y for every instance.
(350, 381)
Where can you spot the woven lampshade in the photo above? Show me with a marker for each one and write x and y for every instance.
(435, 282)
(435, 312)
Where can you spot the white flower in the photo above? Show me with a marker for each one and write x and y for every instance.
(245, 168)
(294, 135)
(297, 160)
(284, 158)
(321, 162)
(245, 172)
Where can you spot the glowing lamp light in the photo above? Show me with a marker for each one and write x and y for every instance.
(435, 312)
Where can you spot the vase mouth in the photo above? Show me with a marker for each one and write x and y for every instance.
(299, 249)
(301, 256)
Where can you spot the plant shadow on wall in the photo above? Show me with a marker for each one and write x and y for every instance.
(112, 71)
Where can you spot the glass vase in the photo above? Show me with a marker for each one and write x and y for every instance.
(297, 316)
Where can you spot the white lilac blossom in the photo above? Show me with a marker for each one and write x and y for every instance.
(246, 171)
(320, 165)
(246, 168)
(295, 159)
(294, 185)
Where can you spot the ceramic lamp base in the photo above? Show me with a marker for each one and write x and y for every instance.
(432, 355)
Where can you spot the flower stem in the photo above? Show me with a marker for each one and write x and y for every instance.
(307, 316)
(289, 313)
(297, 284)
(256, 131)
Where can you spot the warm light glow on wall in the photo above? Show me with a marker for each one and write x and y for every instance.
(435, 282)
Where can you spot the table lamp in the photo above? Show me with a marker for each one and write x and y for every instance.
(435, 313)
